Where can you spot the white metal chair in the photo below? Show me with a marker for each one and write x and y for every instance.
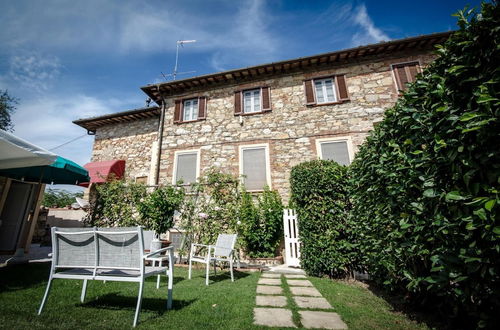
(222, 251)
(107, 254)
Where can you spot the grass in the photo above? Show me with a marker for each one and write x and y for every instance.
(222, 304)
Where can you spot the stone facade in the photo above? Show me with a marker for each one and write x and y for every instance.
(290, 129)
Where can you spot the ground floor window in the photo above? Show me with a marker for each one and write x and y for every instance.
(338, 149)
(255, 167)
(186, 166)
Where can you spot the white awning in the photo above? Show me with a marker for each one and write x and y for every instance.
(16, 152)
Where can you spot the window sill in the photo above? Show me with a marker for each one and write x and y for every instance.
(188, 121)
(252, 113)
(329, 103)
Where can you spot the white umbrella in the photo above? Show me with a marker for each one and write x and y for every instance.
(16, 152)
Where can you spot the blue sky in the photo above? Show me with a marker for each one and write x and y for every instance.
(66, 60)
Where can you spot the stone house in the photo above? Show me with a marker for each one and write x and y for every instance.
(261, 121)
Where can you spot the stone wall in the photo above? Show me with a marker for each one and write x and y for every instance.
(290, 129)
(132, 141)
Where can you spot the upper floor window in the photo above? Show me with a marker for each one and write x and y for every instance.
(326, 90)
(337, 149)
(405, 73)
(192, 109)
(186, 166)
(255, 167)
(252, 101)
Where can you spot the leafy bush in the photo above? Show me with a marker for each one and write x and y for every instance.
(115, 204)
(426, 182)
(157, 209)
(320, 196)
(262, 223)
(59, 197)
(211, 207)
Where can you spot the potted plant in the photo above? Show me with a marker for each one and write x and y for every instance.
(157, 211)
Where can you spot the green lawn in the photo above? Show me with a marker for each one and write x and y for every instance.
(222, 305)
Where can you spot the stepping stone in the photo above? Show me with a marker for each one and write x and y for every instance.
(270, 275)
(295, 276)
(310, 302)
(268, 289)
(273, 317)
(324, 320)
(275, 301)
(304, 291)
(299, 283)
(269, 281)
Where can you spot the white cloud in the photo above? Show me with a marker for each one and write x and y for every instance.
(47, 122)
(370, 32)
(34, 70)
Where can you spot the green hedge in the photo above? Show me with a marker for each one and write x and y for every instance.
(426, 182)
(319, 194)
(261, 223)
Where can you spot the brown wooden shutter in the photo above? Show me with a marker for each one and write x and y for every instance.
(412, 70)
(342, 88)
(202, 107)
(308, 86)
(266, 99)
(177, 111)
(237, 103)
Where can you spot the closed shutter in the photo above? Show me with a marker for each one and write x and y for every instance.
(177, 111)
(412, 71)
(308, 86)
(336, 151)
(254, 168)
(186, 167)
(342, 88)
(266, 99)
(237, 103)
(202, 107)
(405, 73)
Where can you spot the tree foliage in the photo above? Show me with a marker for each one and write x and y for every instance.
(59, 197)
(426, 183)
(7, 108)
(320, 196)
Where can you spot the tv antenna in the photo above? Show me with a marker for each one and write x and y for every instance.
(179, 43)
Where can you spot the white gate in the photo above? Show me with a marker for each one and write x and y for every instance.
(292, 245)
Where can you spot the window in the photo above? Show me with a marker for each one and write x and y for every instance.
(141, 179)
(336, 149)
(254, 167)
(188, 110)
(186, 166)
(405, 73)
(252, 101)
(326, 90)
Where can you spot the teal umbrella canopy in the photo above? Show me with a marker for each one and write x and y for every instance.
(62, 171)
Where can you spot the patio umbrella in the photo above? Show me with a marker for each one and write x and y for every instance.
(16, 152)
(62, 171)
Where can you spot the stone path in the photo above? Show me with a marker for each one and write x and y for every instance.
(315, 311)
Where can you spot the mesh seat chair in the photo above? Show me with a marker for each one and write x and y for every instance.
(222, 251)
(107, 254)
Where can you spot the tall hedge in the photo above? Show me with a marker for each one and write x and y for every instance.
(319, 194)
(426, 182)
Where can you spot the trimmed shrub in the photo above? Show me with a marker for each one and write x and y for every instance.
(262, 223)
(320, 196)
(426, 182)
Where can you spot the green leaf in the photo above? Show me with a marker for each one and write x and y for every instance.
(454, 196)
(469, 115)
(496, 230)
(489, 204)
(430, 193)
(486, 98)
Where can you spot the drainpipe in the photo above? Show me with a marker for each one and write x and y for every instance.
(160, 137)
